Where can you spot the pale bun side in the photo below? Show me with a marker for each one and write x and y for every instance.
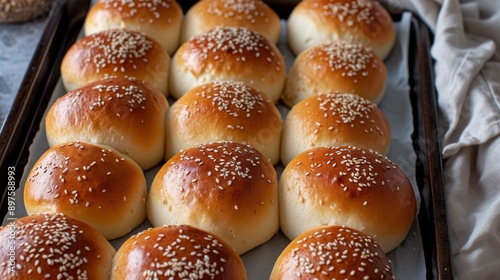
(332, 252)
(347, 186)
(255, 15)
(92, 183)
(336, 67)
(230, 111)
(115, 53)
(232, 54)
(226, 188)
(161, 20)
(363, 22)
(328, 120)
(179, 252)
(53, 246)
(124, 113)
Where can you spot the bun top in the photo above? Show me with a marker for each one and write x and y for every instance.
(115, 53)
(54, 246)
(252, 14)
(356, 21)
(160, 19)
(332, 252)
(181, 252)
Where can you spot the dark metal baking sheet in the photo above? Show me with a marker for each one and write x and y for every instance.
(64, 24)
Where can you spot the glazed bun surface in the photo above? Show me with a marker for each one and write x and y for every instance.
(124, 113)
(232, 54)
(347, 186)
(54, 246)
(230, 111)
(176, 252)
(160, 19)
(225, 188)
(91, 183)
(363, 22)
(336, 67)
(334, 120)
(115, 53)
(252, 14)
(332, 252)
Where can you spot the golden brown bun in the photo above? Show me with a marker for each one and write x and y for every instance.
(336, 67)
(252, 14)
(228, 53)
(341, 119)
(347, 186)
(160, 19)
(115, 53)
(124, 113)
(225, 188)
(226, 110)
(53, 246)
(332, 252)
(177, 252)
(364, 22)
(91, 183)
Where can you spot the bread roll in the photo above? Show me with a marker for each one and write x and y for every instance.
(252, 14)
(115, 53)
(341, 119)
(176, 252)
(364, 22)
(225, 188)
(124, 113)
(91, 183)
(336, 67)
(347, 186)
(229, 111)
(332, 252)
(160, 19)
(228, 53)
(53, 246)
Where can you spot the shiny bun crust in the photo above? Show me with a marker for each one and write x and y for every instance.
(160, 19)
(332, 252)
(364, 22)
(229, 111)
(176, 252)
(115, 53)
(124, 113)
(53, 246)
(340, 119)
(336, 67)
(347, 186)
(91, 183)
(252, 14)
(228, 53)
(225, 188)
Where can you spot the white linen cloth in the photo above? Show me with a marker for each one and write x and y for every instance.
(467, 72)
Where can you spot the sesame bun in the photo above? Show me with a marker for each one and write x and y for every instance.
(176, 252)
(347, 186)
(229, 111)
(115, 53)
(336, 67)
(160, 19)
(332, 252)
(364, 22)
(341, 119)
(228, 53)
(91, 183)
(252, 14)
(225, 188)
(124, 113)
(53, 246)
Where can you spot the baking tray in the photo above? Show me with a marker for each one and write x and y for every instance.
(63, 26)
